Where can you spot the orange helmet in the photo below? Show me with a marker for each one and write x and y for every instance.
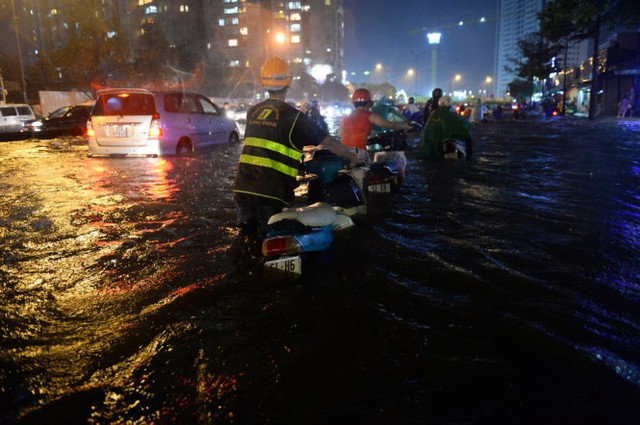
(361, 95)
(274, 74)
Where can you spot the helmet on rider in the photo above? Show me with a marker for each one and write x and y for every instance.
(274, 75)
(361, 97)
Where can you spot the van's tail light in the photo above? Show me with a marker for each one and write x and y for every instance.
(90, 132)
(155, 128)
(280, 245)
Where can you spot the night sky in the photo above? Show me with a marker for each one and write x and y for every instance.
(393, 33)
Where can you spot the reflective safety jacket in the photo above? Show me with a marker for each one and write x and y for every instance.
(356, 127)
(275, 135)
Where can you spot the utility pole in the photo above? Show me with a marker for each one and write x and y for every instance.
(15, 27)
(4, 98)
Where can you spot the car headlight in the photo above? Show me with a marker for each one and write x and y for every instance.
(36, 125)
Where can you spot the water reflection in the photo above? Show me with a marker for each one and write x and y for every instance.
(146, 178)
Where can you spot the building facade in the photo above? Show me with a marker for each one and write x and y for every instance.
(231, 37)
(516, 19)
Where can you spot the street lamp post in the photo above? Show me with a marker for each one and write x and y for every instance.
(434, 40)
(455, 79)
(413, 73)
(487, 82)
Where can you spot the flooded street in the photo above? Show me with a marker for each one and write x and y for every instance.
(500, 290)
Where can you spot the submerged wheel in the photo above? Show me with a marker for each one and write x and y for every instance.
(184, 148)
(234, 138)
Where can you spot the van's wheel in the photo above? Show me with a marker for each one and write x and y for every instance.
(234, 139)
(184, 148)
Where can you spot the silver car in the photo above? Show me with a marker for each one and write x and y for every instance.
(155, 123)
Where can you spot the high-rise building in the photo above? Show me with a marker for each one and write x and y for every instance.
(516, 20)
(308, 34)
(231, 36)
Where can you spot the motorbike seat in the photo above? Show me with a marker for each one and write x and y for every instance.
(314, 215)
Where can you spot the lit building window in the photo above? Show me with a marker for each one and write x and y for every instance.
(150, 10)
(143, 2)
(294, 5)
(221, 22)
(231, 10)
(295, 28)
(233, 42)
(295, 39)
(244, 31)
(53, 12)
(295, 17)
(234, 63)
(235, 21)
(184, 8)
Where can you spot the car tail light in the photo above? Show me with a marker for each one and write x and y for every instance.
(280, 245)
(155, 128)
(90, 131)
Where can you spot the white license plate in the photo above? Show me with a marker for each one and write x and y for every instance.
(287, 264)
(120, 130)
(381, 188)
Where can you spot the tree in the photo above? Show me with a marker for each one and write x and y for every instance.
(535, 59)
(152, 53)
(90, 54)
(521, 89)
(574, 20)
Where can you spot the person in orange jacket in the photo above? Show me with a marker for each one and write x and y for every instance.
(356, 127)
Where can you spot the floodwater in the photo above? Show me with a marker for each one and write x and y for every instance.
(500, 290)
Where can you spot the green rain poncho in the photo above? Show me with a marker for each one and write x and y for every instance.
(443, 124)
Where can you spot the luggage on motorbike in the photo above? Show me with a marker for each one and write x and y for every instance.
(325, 165)
(387, 141)
(342, 191)
(454, 149)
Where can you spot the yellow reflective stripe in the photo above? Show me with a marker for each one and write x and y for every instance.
(292, 126)
(259, 194)
(269, 163)
(273, 146)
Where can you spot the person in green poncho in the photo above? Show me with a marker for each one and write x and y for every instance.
(443, 124)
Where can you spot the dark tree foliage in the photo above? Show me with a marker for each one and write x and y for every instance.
(564, 21)
(91, 53)
(534, 61)
(536, 55)
(152, 53)
(521, 89)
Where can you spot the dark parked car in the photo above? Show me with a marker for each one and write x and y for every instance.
(69, 120)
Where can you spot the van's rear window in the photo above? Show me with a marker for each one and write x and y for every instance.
(125, 104)
(8, 111)
(24, 110)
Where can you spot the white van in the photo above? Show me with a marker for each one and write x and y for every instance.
(13, 115)
(154, 123)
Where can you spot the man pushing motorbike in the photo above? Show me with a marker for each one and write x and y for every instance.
(275, 136)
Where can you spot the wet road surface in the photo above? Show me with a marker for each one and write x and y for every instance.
(502, 289)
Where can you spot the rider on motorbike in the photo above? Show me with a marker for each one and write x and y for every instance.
(357, 126)
(443, 124)
(275, 136)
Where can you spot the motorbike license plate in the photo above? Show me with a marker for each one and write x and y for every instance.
(287, 264)
(380, 188)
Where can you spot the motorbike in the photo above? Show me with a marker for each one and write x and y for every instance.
(387, 170)
(332, 198)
